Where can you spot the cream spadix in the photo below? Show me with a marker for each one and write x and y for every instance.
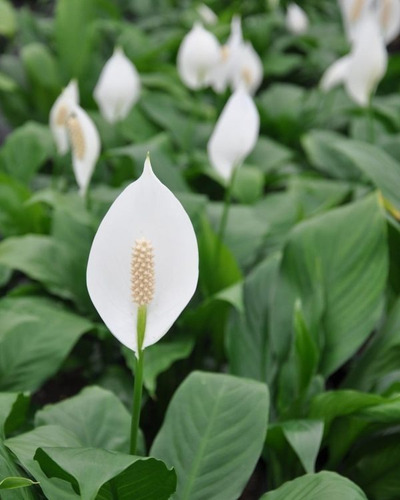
(59, 113)
(118, 88)
(144, 254)
(85, 146)
(235, 133)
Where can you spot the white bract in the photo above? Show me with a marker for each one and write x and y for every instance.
(198, 55)
(296, 19)
(235, 133)
(85, 146)
(353, 11)
(148, 221)
(388, 12)
(208, 16)
(248, 69)
(59, 112)
(118, 87)
(361, 70)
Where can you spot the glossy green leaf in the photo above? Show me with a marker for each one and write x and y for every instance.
(13, 409)
(8, 22)
(324, 485)
(96, 473)
(14, 483)
(41, 66)
(213, 434)
(35, 337)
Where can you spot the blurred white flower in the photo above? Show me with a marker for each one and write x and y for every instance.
(296, 19)
(235, 134)
(118, 87)
(208, 16)
(144, 254)
(248, 69)
(353, 11)
(85, 146)
(59, 112)
(388, 12)
(229, 52)
(361, 70)
(198, 55)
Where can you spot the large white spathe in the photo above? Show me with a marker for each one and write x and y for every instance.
(248, 70)
(118, 88)
(85, 146)
(364, 67)
(198, 55)
(145, 209)
(388, 12)
(235, 133)
(296, 19)
(59, 113)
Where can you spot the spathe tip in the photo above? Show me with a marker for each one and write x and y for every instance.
(147, 164)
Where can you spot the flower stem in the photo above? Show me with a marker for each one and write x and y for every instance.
(138, 384)
(370, 118)
(224, 217)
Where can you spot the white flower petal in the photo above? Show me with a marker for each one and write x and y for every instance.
(353, 12)
(198, 55)
(235, 133)
(248, 69)
(85, 142)
(368, 62)
(59, 112)
(389, 19)
(145, 209)
(118, 88)
(336, 73)
(296, 19)
(208, 16)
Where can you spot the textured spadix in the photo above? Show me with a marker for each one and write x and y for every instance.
(235, 133)
(118, 88)
(59, 113)
(85, 146)
(146, 211)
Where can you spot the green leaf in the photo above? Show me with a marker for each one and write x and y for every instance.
(24, 447)
(13, 408)
(269, 155)
(336, 264)
(324, 485)
(35, 337)
(96, 416)
(213, 435)
(108, 474)
(7, 84)
(26, 150)
(249, 185)
(8, 22)
(159, 358)
(8, 469)
(13, 483)
(305, 437)
(41, 66)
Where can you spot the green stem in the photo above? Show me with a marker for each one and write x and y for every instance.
(225, 213)
(138, 384)
(370, 118)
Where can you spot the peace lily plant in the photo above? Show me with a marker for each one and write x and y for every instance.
(142, 269)
(118, 87)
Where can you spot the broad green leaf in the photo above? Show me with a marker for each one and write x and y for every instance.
(96, 416)
(14, 483)
(305, 437)
(13, 408)
(35, 337)
(24, 448)
(249, 185)
(247, 339)
(213, 435)
(7, 84)
(324, 485)
(8, 469)
(96, 473)
(159, 358)
(41, 66)
(8, 22)
(336, 264)
(269, 155)
(26, 150)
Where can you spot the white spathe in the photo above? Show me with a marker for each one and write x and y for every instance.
(85, 146)
(145, 209)
(388, 12)
(353, 12)
(223, 72)
(296, 19)
(59, 112)
(235, 133)
(198, 55)
(248, 69)
(118, 87)
(361, 70)
(207, 15)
